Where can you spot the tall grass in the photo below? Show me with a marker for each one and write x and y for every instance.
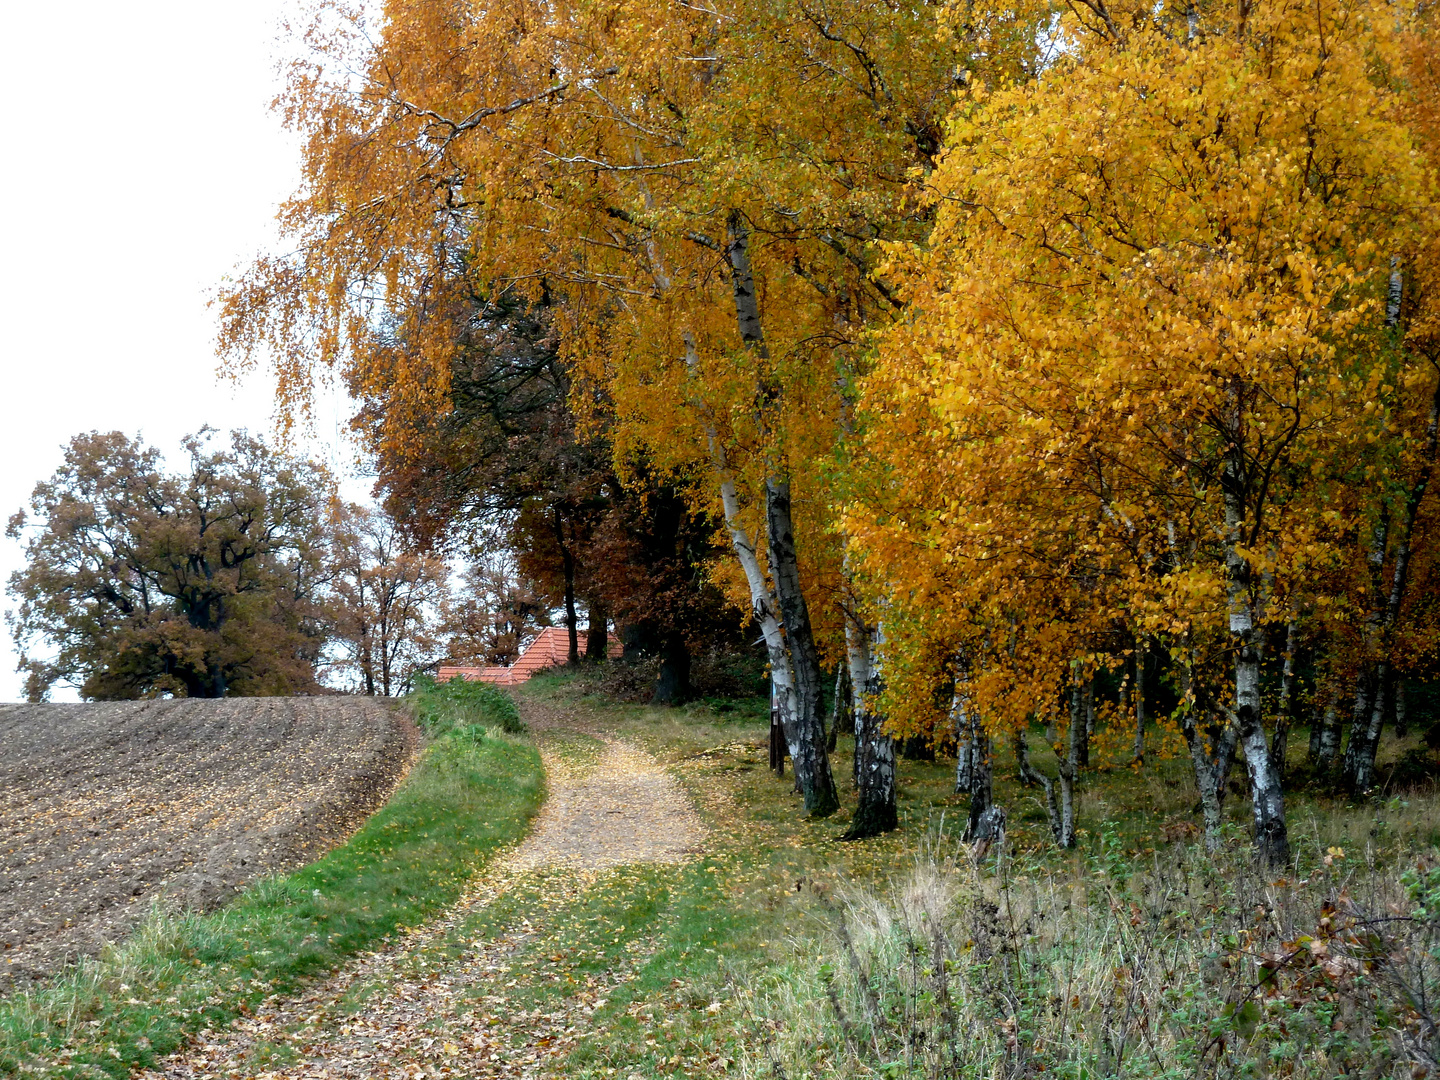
(473, 791)
(459, 703)
(1182, 965)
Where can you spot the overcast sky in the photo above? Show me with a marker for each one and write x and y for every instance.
(140, 164)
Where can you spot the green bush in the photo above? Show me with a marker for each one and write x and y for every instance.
(443, 707)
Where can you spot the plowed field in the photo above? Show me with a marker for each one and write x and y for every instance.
(104, 807)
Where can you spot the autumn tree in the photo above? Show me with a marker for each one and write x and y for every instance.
(696, 191)
(493, 613)
(1147, 359)
(502, 459)
(385, 602)
(141, 582)
(506, 464)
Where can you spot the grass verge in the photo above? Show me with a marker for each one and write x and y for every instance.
(784, 952)
(473, 791)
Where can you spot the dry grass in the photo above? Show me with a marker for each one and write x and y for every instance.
(1180, 964)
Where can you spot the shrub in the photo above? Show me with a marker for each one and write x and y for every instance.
(443, 707)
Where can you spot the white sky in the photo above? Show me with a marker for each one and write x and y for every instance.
(140, 164)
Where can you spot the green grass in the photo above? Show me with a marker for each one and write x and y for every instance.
(726, 964)
(723, 965)
(459, 703)
(472, 791)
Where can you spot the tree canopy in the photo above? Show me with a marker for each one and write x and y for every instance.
(203, 582)
(1026, 355)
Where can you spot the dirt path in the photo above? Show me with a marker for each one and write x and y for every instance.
(424, 1012)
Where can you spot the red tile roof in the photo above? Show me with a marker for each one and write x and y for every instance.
(551, 648)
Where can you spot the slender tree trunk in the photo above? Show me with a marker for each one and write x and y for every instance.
(1061, 809)
(874, 750)
(1359, 769)
(986, 825)
(1208, 776)
(777, 732)
(1208, 781)
(1142, 655)
(1272, 844)
(1077, 754)
(1327, 746)
(807, 737)
(367, 661)
(1365, 740)
(1398, 709)
(801, 717)
(975, 776)
(837, 710)
(1285, 714)
(966, 738)
(1354, 768)
(567, 560)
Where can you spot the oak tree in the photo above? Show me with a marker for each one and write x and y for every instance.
(141, 582)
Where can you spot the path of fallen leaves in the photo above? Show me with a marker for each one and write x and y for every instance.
(423, 1010)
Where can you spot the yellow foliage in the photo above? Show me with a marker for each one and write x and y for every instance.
(1168, 253)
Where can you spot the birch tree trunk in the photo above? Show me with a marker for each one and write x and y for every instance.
(1142, 655)
(839, 708)
(986, 825)
(975, 776)
(1272, 845)
(1355, 769)
(806, 738)
(965, 744)
(1285, 713)
(1327, 744)
(1059, 793)
(799, 709)
(874, 750)
(1208, 773)
(1077, 749)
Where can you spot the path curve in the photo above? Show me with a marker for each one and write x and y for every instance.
(620, 808)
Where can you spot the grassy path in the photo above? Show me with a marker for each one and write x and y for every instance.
(443, 999)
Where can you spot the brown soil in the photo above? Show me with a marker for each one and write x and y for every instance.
(105, 808)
